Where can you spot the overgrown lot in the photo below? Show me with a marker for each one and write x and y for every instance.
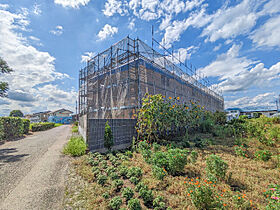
(184, 158)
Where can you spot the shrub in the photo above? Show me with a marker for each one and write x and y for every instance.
(202, 195)
(75, 129)
(177, 159)
(108, 137)
(117, 184)
(147, 196)
(26, 125)
(134, 180)
(158, 172)
(101, 179)
(273, 197)
(127, 193)
(158, 203)
(106, 195)
(216, 168)
(156, 147)
(76, 146)
(115, 203)
(129, 154)
(134, 204)
(123, 170)
(41, 126)
(11, 127)
(76, 123)
(140, 186)
(134, 171)
(241, 150)
(194, 156)
(147, 153)
(263, 155)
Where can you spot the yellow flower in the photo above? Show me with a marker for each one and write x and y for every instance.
(178, 98)
(187, 107)
(163, 96)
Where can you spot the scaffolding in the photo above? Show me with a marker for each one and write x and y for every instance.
(113, 82)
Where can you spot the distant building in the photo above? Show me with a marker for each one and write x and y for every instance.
(61, 113)
(38, 117)
(62, 116)
(234, 113)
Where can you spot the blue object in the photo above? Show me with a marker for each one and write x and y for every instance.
(62, 120)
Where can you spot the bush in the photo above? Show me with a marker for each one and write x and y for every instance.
(26, 125)
(76, 146)
(273, 197)
(134, 180)
(263, 155)
(117, 184)
(158, 172)
(75, 129)
(203, 197)
(158, 203)
(76, 123)
(147, 196)
(156, 147)
(177, 159)
(140, 186)
(127, 193)
(216, 168)
(129, 154)
(115, 203)
(101, 179)
(134, 204)
(108, 137)
(11, 127)
(41, 126)
(134, 171)
(194, 156)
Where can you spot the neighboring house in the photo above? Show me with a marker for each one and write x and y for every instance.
(62, 116)
(61, 113)
(38, 117)
(233, 113)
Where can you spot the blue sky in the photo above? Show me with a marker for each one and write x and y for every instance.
(236, 44)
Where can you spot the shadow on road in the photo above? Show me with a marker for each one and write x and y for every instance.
(6, 155)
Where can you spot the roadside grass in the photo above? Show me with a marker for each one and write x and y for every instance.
(245, 177)
(76, 146)
(75, 129)
(58, 124)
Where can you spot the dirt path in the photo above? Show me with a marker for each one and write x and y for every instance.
(32, 171)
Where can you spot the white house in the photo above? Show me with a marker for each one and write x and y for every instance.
(61, 113)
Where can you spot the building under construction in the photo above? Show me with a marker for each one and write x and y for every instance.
(113, 82)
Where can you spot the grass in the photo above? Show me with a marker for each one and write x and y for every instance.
(246, 178)
(58, 124)
(76, 146)
(75, 129)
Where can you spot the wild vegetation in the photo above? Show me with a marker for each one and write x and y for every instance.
(13, 127)
(185, 158)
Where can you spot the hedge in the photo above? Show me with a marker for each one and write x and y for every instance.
(13, 127)
(41, 126)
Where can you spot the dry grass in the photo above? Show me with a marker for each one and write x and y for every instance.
(245, 175)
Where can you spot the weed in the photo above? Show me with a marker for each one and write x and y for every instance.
(194, 156)
(108, 137)
(106, 195)
(101, 179)
(115, 203)
(117, 184)
(127, 193)
(140, 186)
(76, 146)
(159, 203)
(134, 180)
(216, 168)
(134, 204)
(147, 196)
(158, 172)
(134, 171)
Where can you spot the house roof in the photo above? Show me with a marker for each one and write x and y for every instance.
(62, 110)
(233, 109)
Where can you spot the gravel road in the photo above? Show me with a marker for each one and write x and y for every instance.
(33, 171)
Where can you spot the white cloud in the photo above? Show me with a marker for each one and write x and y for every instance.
(268, 34)
(271, 7)
(107, 31)
(87, 56)
(131, 24)
(114, 6)
(182, 54)
(260, 101)
(58, 31)
(33, 69)
(36, 9)
(216, 48)
(4, 6)
(236, 73)
(72, 3)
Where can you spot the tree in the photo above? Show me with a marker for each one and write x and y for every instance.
(4, 68)
(108, 137)
(16, 113)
